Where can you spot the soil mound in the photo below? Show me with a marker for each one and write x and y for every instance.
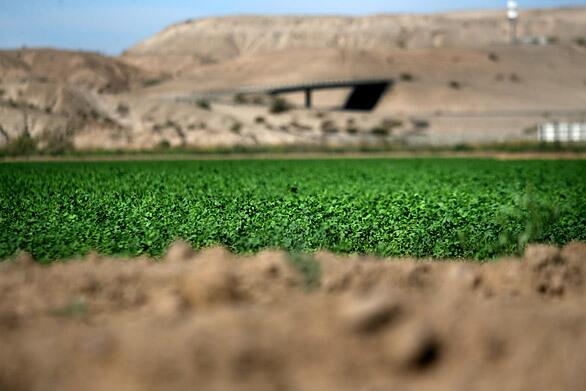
(214, 321)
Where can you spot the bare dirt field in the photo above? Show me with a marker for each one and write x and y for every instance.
(214, 321)
(561, 155)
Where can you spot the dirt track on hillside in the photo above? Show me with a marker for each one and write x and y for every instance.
(211, 321)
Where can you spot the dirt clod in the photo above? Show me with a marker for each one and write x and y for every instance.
(370, 314)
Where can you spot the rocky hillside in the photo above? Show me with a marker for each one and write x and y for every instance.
(180, 87)
(51, 95)
(88, 70)
(213, 40)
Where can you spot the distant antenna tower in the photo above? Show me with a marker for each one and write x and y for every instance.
(513, 16)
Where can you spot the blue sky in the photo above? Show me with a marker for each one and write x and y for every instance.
(110, 26)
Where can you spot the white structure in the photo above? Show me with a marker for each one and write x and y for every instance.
(562, 132)
(513, 16)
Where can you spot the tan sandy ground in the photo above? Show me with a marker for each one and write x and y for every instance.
(212, 321)
(564, 155)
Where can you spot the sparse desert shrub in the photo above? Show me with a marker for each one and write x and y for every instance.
(204, 104)
(329, 127)
(122, 109)
(151, 82)
(257, 100)
(279, 105)
(406, 77)
(24, 144)
(513, 77)
(462, 147)
(493, 57)
(391, 123)
(58, 143)
(295, 124)
(580, 41)
(164, 144)
(385, 128)
(236, 127)
(420, 123)
(240, 99)
(260, 120)
(109, 121)
(380, 131)
(2, 92)
(94, 114)
(247, 99)
(455, 85)
(351, 127)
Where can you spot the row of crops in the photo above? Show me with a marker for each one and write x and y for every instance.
(426, 207)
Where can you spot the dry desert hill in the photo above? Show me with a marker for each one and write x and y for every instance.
(456, 79)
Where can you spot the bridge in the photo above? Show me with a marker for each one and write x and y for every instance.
(365, 94)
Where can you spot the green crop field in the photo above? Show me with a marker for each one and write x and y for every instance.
(427, 207)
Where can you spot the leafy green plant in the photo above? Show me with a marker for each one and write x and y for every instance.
(415, 207)
(308, 267)
(75, 308)
(532, 217)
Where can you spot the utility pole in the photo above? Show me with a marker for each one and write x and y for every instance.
(513, 16)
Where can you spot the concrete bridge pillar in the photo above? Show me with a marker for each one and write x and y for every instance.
(308, 98)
